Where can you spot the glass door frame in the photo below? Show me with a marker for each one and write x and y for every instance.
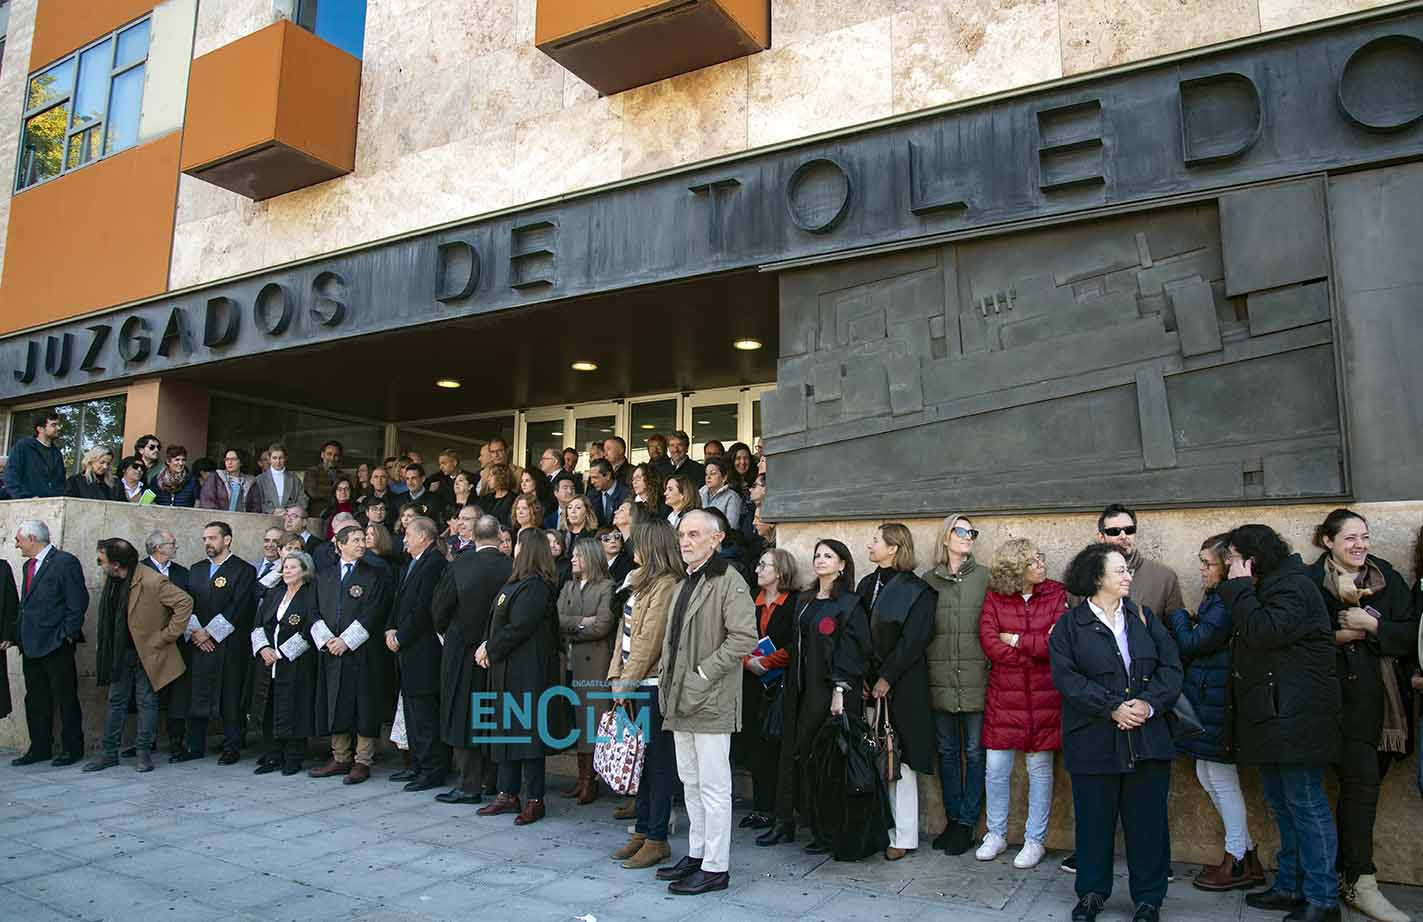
(569, 414)
(743, 397)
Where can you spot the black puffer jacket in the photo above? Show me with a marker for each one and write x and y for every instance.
(1284, 702)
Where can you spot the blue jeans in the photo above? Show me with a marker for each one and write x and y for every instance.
(1309, 843)
(959, 738)
(129, 675)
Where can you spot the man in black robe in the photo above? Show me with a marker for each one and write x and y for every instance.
(9, 628)
(462, 604)
(353, 597)
(410, 634)
(219, 656)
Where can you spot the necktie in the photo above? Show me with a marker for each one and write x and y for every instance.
(345, 573)
(607, 498)
(234, 493)
(212, 570)
(29, 574)
(266, 568)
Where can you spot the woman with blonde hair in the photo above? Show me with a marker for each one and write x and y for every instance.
(95, 480)
(1023, 710)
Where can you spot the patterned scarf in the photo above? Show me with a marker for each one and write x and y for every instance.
(1352, 591)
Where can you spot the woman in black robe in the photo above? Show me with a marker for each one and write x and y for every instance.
(902, 608)
(284, 674)
(829, 659)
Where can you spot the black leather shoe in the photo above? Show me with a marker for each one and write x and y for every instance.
(406, 774)
(63, 759)
(681, 870)
(456, 796)
(129, 753)
(265, 768)
(1273, 900)
(428, 783)
(1145, 912)
(1313, 913)
(229, 758)
(817, 848)
(31, 758)
(781, 832)
(291, 768)
(1087, 908)
(700, 881)
(185, 756)
(102, 763)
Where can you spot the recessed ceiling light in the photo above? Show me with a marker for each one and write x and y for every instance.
(556, 433)
(585, 366)
(605, 430)
(647, 426)
(703, 422)
(449, 383)
(747, 345)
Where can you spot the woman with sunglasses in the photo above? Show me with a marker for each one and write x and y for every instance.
(958, 680)
(129, 488)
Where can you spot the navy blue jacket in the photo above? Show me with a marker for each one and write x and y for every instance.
(1205, 648)
(185, 495)
(34, 470)
(1089, 674)
(620, 494)
(177, 573)
(52, 612)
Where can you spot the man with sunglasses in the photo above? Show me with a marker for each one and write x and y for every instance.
(1153, 584)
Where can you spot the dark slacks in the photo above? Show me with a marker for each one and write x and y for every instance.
(1358, 771)
(523, 776)
(428, 753)
(765, 775)
(52, 681)
(476, 771)
(659, 772)
(287, 751)
(1138, 799)
(198, 735)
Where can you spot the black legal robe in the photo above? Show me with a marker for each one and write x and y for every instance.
(350, 690)
(464, 600)
(216, 684)
(293, 690)
(901, 627)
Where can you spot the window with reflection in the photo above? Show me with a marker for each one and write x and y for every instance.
(340, 22)
(84, 424)
(83, 107)
(252, 426)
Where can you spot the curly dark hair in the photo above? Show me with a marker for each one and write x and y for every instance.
(1085, 571)
(1261, 544)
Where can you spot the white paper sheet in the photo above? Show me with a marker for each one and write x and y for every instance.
(321, 633)
(259, 640)
(220, 628)
(294, 646)
(355, 635)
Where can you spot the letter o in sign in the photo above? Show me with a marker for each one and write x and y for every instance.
(818, 195)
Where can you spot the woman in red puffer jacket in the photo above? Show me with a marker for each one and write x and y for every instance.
(1023, 712)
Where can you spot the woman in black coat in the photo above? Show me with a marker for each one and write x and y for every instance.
(1375, 638)
(763, 683)
(1284, 713)
(825, 677)
(901, 607)
(284, 675)
(94, 480)
(521, 653)
(1119, 675)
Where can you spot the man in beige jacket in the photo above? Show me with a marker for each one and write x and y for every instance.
(711, 628)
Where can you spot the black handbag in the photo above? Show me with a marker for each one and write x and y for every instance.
(858, 746)
(773, 711)
(1183, 722)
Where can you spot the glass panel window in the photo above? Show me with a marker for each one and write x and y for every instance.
(125, 103)
(340, 22)
(84, 146)
(89, 92)
(86, 424)
(42, 153)
(133, 45)
(588, 430)
(713, 421)
(50, 85)
(251, 427)
(541, 436)
(653, 416)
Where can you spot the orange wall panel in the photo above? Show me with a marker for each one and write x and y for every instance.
(319, 98)
(100, 236)
(232, 97)
(62, 26)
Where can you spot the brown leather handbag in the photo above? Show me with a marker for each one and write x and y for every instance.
(888, 743)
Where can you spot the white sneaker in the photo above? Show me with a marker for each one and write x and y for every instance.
(993, 846)
(1029, 857)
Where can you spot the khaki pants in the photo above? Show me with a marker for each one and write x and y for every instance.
(341, 748)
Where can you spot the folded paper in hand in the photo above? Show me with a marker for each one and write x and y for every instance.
(219, 627)
(294, 646)
(321, 633)
(355, 635)
(259, 640)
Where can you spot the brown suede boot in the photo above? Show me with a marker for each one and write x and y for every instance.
(1230, 874)
(652, 853)
(627, 810)
(576, 789)
(590, 785)
(630, 848)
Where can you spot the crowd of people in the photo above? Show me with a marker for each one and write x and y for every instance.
(659, 586)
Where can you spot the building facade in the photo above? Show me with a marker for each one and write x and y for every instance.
(1017, 257)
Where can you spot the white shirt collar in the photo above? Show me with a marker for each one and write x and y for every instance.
(44, 552)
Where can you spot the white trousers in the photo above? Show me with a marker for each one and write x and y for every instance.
(1222, 783)
(904, 802)
(704, 765)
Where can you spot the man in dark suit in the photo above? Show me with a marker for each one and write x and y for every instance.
(294, 520)
(161, 547)
(53, 599)
(353, 597)
(462, 604)
(677, 461)
(410, 635)
(605, 491)
(427, 504)
(219, 655)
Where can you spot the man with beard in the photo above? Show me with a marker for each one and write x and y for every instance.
(462, 604)
(224, 594)
(353, 598)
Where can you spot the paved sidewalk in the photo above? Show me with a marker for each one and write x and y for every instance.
(199, 842)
